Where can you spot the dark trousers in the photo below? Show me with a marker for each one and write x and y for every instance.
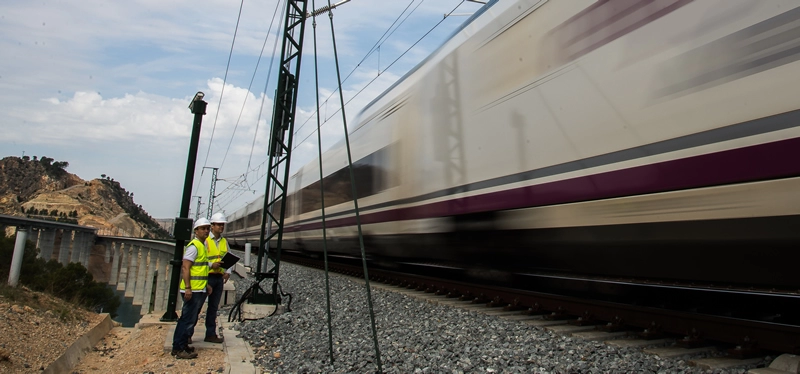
(199, 309)
(185, 327)
(216, 284)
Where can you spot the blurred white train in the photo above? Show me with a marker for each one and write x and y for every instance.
(616, 138)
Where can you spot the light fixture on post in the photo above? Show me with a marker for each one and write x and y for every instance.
(183, 224)
(197, 97)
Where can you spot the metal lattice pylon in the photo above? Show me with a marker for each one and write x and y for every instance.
(211, 193)
(280, 150)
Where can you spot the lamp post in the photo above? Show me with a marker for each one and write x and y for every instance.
(183, 224)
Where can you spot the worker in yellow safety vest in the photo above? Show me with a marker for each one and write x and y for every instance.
(217, 248)
(194, 287)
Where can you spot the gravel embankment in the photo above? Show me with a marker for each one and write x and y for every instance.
(419, 337)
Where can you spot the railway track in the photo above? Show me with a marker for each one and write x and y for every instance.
(691, 328)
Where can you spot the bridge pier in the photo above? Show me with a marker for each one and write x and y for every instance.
(116, 252)
(16, 258)
(86, 248)
(148, 282)
(47, 238)
(133, 265)
(33, 236)
(164, 276)
(125, 257)
(74, 247)
(138, 292)
(63, 247)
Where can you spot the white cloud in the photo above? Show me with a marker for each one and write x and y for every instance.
(106, 85)
(87, 116)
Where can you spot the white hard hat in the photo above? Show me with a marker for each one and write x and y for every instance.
(201, 222)
(218, 218)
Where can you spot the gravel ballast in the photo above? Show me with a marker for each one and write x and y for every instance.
(415, 336)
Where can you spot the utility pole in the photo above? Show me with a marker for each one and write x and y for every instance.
(211, 194)
(183, 224)
(199, 202)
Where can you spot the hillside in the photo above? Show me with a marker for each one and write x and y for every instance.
(38, 328)
(42, 188)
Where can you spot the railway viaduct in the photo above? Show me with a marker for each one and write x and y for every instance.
(59, 241)
(138, 267)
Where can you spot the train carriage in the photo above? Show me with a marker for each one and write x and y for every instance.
(614, 138)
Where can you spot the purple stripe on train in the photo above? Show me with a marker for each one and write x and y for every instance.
(760, 162)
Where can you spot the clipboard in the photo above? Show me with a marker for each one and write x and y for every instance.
(228, 260)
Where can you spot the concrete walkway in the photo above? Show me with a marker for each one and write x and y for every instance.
(238, 354)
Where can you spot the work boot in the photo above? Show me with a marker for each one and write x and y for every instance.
(213, 339)
(184, 354)
(189, 349)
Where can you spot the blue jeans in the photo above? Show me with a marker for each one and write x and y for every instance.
(199, 308)
(185, 327)
(216, 284)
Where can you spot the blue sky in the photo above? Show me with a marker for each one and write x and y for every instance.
(105, 85)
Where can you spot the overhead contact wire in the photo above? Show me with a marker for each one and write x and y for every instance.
(261, 107)
(222, 92)
(369, 53)
(266, 85)
(355, 199)
(252, 79)
(249, 170)
(378, 76)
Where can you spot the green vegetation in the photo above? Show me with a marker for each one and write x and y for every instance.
(51, 166)
(72, 283)
(53, 215)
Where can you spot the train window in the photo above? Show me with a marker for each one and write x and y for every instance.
(371, 175)
(254, 219)
(290, 205)
(310, 197)
(364, 171)
(233, 225)
(276, 209)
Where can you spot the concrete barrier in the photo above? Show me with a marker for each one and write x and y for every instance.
(80, 348)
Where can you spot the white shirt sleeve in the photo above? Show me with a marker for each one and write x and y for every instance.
(190, 253)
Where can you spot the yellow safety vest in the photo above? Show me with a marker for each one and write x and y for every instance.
(216, 254)
(198, 273)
